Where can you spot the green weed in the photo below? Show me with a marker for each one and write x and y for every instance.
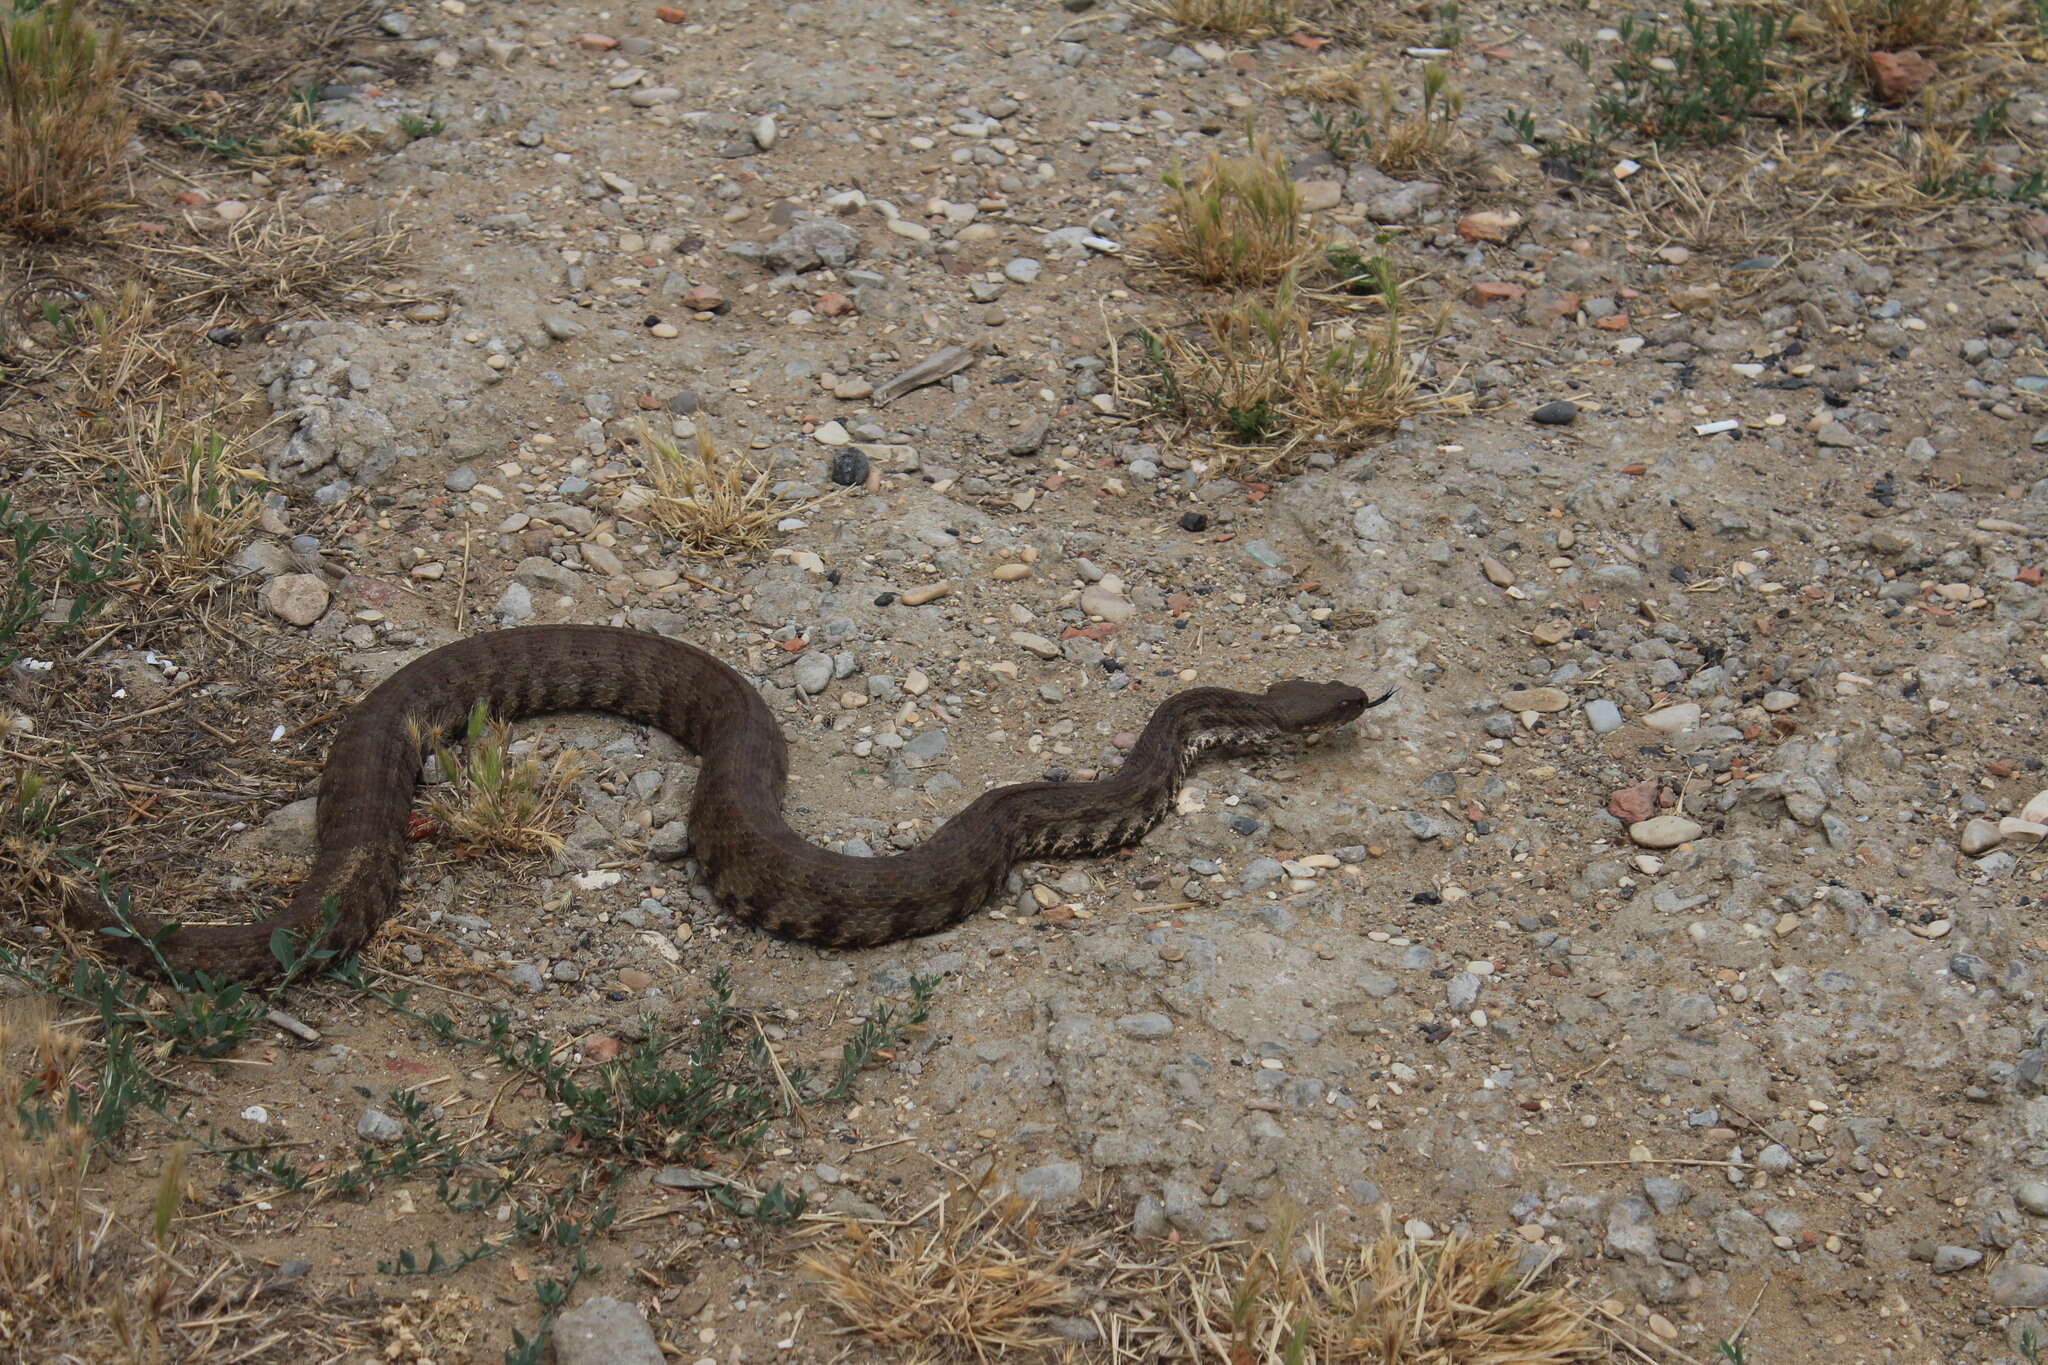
(1698, 85)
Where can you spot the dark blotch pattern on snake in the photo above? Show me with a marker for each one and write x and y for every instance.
(765, 871)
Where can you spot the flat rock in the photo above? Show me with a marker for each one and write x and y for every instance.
(604, 1331)
(2016, 1284)
(1539, 699)
(1050, 1185)
(1674, 720)
(1665, 831)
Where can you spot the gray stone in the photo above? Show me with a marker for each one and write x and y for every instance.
(1463, 992)
(1149, 1026)
(2032, 1195)
(1051, 1185)
(1387, 200)
(377, 1126)
(1261, 873)
(1603, 715)
(604, 1331)
(1664, 1193)
(2016, 1284)
(1949, 1259)
(515, 605)
(813, 672)
(813, 243)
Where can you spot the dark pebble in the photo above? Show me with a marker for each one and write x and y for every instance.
(1558, 414)
(1194, 521)
(849, 467)
(886, 599)
(684, 403)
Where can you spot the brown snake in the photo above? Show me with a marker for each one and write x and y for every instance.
(768, 873)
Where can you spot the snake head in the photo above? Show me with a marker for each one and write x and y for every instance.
(1298, 704)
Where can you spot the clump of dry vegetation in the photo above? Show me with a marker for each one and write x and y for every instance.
(1231, 18)
(1861, 27)
(64, 122)
(183, 490)
(1328, 82)
(1369, 121)
(983, 1277)
(493, 799)
(58, 1283)
(712, 503)
(1267, 380)
(268, 259)
(1237, 222)
(31, 865)
(1457, 1301)
(976, 1281)
(1425, 138)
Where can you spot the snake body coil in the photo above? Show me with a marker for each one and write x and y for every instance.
(764, 870)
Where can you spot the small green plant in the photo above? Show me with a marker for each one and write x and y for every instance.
(1396, 143)
(1449, 32)
(1697, 86)
(91, 557)
(777, 1205)
(1346, 135)
(298, 135)
(64, 122)
(1731, 1351)
(494, 800)
(1523, 123)
(210, 1018)
(2030, 1347)
(1955, 167)
(415, 127)
(1425, 138)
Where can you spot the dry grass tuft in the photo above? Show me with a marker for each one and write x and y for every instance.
(269, 259)
(64, 123)
(247, 82)
(1861, 27)
(1458, 1301)
(1328, 83)
(976, 1282)
(1238, 222)
(189, 499)
(1266, 381)
(1232, 18)
(983, 1279)
(32, 869)
(711, 503)
(77, 1285)
(125, 353)
(496, 801)
(57, 1286)
(1426, 139)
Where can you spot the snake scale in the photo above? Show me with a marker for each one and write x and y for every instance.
(760, 867)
